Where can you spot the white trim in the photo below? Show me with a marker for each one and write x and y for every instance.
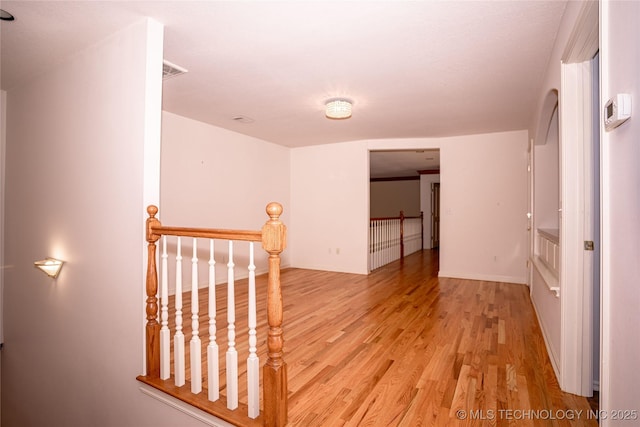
(576, 346)
(571, 126)
(520, 280)
(583, 42)
(192, 411)
(576, 302)
(553, 357)
(530, 213)
(3, 155)
(605, 221)
(547, 275)
(152, 141)
(576, 343)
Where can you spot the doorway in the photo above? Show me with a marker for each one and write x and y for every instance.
(435, 215)
(401, 180)
(580, 192)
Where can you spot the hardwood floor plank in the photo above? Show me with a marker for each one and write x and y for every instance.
(402, 347)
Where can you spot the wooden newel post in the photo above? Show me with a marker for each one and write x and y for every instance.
(275, 369)
(401, 236)
(153, 327)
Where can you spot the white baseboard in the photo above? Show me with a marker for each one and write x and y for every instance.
(486, 277)
(555, 360)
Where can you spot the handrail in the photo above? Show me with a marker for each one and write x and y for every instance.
(208, 233)
(273, 239)
(384, 218)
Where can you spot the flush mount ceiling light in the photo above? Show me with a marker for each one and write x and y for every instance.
(338, 108)
(50, 266)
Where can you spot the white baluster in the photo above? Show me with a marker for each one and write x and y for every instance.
(253, 363)
(232, 354)
(392, 241)
(371, 247)
(379, 243)
(385, 239)
(196, 357)
(212, 349)
(398, 228)
(165, 334)
(178, 339)
(376, 249)
(373, 240)
(385, 257)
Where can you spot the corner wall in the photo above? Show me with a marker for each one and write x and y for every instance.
(330, 207)
(213, 177)
(483, 222)
(547, 306)
(483, 204)
(76, 184)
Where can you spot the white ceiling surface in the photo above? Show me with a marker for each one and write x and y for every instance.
(413, 68)
(402, 163)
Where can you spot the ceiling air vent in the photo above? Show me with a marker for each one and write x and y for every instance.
(170, 70)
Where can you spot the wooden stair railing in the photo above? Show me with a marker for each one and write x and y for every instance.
(387, 238)
(274, 388)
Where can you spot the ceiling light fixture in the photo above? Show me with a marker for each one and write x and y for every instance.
(338, 108)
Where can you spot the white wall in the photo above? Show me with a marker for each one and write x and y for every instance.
(73, 346)
(547, 305)
(388, 198)
(483, 223)
(215, 178)
(545, 215)
(620, 29)
(330, 207)
(483, 204)
(425, 206)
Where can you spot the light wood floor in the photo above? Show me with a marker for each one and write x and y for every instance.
(401, 347)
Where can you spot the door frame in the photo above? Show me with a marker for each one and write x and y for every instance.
(435, 214)
(576, 127)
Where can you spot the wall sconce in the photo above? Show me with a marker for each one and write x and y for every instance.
(50, 266)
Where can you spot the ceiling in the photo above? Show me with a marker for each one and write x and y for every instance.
(413, 68)
(403, 163)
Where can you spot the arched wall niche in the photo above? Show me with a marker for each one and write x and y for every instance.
(549, 107)
(546, 171)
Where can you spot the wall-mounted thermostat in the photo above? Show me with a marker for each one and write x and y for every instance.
(617, 110)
